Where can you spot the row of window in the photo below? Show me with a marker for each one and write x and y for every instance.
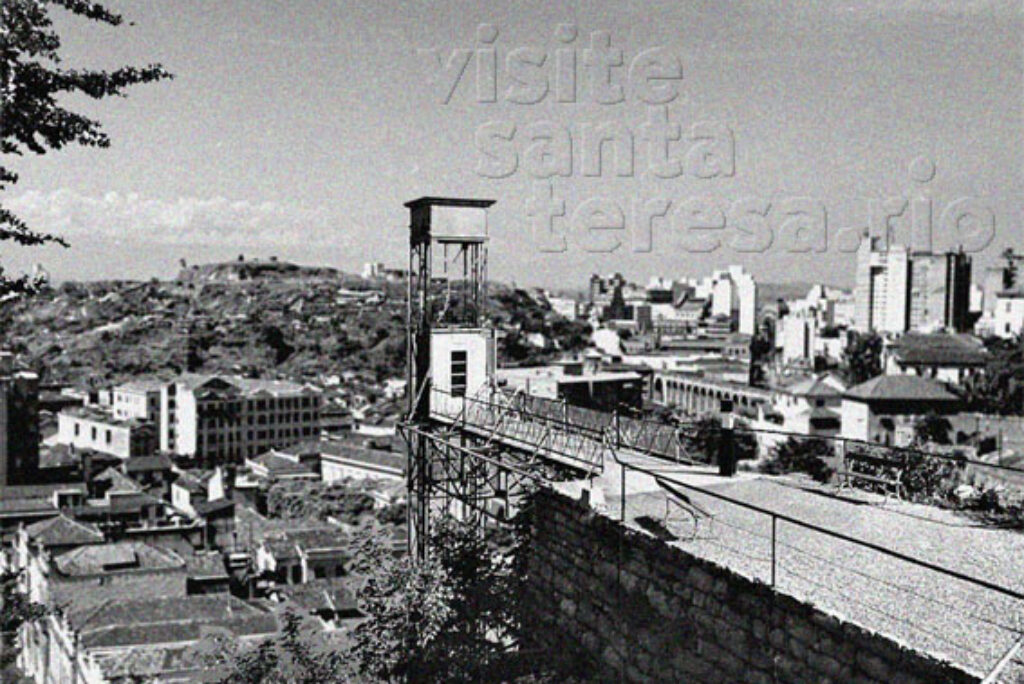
(261, 419)
(94, 433)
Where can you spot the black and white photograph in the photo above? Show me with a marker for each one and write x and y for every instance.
(525, 342)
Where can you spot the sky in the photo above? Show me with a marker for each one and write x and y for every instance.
(299, 129)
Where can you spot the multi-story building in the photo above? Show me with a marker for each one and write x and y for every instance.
(19, 422)
(222, 418)
(138, 399)
(940, 291)
(90, 428)
(1008, 313)
(898, 290)
(882, 286)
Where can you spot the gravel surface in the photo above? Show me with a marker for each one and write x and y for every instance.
(924, 609)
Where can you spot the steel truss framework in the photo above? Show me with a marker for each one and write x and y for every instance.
(479, 482)
(477, 456)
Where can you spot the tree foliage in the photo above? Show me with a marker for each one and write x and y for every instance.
(451, 617)
(933, 429)
(999, 388)
(704, 438)
(801, 455)
(32, 119)
(15, 610)
(300, 654)
(863, 357)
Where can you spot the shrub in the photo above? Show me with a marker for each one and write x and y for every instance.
(801, 455)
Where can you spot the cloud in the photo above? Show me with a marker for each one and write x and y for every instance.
(186, 220)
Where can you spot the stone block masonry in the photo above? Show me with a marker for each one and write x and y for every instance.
(625, 606)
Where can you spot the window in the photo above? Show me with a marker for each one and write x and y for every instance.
(458, 379)
(108, 436)
(93, 433)
(77, 426)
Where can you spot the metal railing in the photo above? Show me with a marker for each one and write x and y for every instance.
(923, 603)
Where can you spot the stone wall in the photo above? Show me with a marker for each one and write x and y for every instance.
(628, 607)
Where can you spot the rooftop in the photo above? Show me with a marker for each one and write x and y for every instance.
(119, 622)
(118, 556)
(900, 388)
(63, 531)
(279, 465)
(119, 482)
(322, 595)
(137, 464)
(98, 415)
(943, 349)
(245, 386)
(142, 385)
(816, 387)
(340, 451)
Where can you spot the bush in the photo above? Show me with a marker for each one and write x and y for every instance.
(703, 440)
(801, 455)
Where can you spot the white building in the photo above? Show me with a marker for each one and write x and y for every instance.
(138, 400)
(886, 408)
(92, 428)
(230, 418)
(1008, 313)
(882, 287)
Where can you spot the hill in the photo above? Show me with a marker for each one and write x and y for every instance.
(306, 324)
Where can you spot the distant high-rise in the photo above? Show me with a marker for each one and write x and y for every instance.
(940, 291)
(882, 286)
(19, 422)
(897, 290)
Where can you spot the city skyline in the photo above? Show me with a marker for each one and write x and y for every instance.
(312, 165)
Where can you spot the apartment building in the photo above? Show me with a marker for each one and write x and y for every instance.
(227, 418)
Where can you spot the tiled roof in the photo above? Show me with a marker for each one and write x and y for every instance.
(382, 459)
(97, 558)
(280, 465)
(191, 482)
(145, 463)
(900, 388)
(210, 507)
(119, 482)
(169, 620)
(206, 566)
(245, 385)
(141, 385)
(63, 531)
(321, 538)
(815, 387)
(322, 595)
(942, 349)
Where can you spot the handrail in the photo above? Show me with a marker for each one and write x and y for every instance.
(827, 532)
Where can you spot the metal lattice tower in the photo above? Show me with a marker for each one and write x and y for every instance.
(447, 289)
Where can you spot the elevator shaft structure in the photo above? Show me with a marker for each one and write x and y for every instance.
(447, 294)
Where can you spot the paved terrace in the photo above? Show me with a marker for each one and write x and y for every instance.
(968, 624)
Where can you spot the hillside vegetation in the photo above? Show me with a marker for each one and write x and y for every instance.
(306, 326)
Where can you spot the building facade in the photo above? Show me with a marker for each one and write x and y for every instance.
(226, 419)
(89, 428)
